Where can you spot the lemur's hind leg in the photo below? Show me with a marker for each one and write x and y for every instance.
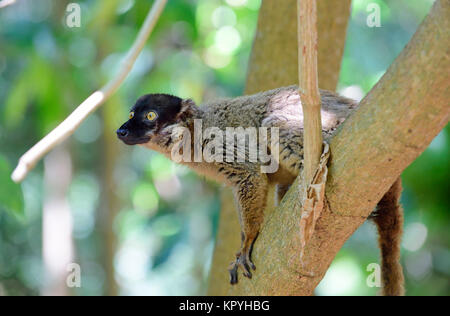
(291, 149)
(281, 191)
(251, 196)
(289, 144)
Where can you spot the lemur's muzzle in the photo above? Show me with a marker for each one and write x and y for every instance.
(124, 135)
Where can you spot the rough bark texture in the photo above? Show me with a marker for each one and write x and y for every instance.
(274, 64)
(394, 124)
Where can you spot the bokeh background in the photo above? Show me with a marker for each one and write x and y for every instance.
(133, 221)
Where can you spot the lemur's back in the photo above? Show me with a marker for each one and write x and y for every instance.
(279, 107)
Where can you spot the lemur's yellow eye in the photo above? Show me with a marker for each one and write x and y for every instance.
(131, 115)
(151, 116)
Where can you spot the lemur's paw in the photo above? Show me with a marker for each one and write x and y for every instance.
(243, 261)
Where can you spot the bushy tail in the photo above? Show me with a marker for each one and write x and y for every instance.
(389, 221)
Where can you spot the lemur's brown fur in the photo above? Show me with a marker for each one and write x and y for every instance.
(389, 220)
(275, 108)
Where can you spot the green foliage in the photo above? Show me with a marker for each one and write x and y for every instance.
(11, 198)
(35, 85)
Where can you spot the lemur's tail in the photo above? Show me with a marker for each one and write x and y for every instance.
(389, 220)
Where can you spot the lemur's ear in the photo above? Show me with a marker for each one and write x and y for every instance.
(187, 109)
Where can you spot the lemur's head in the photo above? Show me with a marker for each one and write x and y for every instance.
(148, 116)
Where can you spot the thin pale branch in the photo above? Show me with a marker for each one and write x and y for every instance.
(95, 100)
(5, 3)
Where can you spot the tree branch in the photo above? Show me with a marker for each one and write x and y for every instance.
(311, 190)
(5, 3)
(308, 85)
(393, 125)
(74, 120)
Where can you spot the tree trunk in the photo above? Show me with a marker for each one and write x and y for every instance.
(106, 15)
(273, 64)
(393, 125)
(274, 59)
(110, 201)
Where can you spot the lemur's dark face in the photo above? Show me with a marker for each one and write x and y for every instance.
(148, 116)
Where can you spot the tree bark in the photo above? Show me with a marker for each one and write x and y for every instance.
(273, 64)
(109, 155)
(110, 206)
(393, 125)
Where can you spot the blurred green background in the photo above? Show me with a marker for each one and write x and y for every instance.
(133, 221)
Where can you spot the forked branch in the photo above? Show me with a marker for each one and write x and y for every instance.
(394, 124)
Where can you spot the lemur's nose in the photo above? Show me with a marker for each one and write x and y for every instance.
(121, 132)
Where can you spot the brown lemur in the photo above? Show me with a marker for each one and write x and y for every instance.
(156, 121)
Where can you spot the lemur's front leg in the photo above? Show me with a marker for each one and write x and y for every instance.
(250, 192)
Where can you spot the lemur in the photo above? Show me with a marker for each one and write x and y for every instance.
(155, 118)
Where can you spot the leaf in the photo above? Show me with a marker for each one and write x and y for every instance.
(11, 197)
(16, 103)
(35, 86)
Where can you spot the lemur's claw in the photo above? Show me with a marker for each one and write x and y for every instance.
(233, 275)
(244, 262)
